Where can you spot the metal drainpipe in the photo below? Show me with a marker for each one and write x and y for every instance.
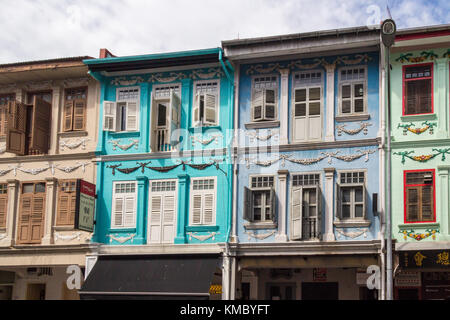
(389, 282)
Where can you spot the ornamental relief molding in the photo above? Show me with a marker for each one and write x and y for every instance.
(255, 135)
(80, 82)
(363, 126)
(117, 144)
(35, 171)
(353, 234)
(121, 240)
(8, 88)
(42, 85)
(202, 238)
(206, 141)
(259, 236)
(67, 237)
(70, 144)
(298, 64)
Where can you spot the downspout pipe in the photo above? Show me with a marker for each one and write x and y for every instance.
(389, 275)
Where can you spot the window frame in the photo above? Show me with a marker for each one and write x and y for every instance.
(118, 119)
(405, 188)
(113, 226)
(431, 64)
(353, 203)
(86, 88)
(263, 110)
(200, 123)
(262, 189)
(202, 193)
(352, 83)
(59, 192)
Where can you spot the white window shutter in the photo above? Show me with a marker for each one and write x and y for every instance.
(258, 105)
(155, 218)
(210, 112)
(296, 213)
(130, 211)
(109, 116)
(208, 209)
(132, 116)
(174, 118)
(248, 207)
(117, 216)
(197, 209)
(197, 110)
(273, 204)
(169, 219)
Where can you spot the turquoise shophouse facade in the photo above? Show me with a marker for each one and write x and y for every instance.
(164, 175)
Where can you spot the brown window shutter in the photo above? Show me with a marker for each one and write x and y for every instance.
(3, 209)
(40, 128)
(3, 120)
(37, 218)
(24, 229)
(63, 209)
(16, 128)
(79, 115)
(68, 115)
(66, 203)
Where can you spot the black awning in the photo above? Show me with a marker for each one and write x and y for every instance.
(151, 277)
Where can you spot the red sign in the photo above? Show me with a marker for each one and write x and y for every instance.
(319, 274)
(85, 206)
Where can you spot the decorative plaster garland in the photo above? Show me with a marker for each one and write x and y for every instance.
(363, 126)
(207, 141)
(423, 158)
(260, 236)
(254, 135)
(123, 81)
(121, 240)
(36, 171)
(204, 237)
(211, 73)
(68, 237)
(419, 236)
(116, 144)
(424, 55)
(73, 145)
(407, 127)
(353, 234)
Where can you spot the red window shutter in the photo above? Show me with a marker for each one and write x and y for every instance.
(68, 115)
(16, 128)
(79, 115)
(40, 128)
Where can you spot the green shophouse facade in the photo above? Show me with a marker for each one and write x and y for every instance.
(421, 162)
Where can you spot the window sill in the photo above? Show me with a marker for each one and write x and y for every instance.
(73, 134)
(126, 134)
(124, 230)
(262, 125)
(419, 225)
(204, 129)
(260, 225)
(352, 223)
(419, 117)
(202, 228)
(350, 118)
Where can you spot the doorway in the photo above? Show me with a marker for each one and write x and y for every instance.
(320, 291)
(36, 291)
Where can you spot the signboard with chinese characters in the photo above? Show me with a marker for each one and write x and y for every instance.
(85, 206)
(425, 259)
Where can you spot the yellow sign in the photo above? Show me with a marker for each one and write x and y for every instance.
(419, 258)
(215, 289)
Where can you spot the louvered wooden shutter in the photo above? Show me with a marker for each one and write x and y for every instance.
(155, 219)
(339, 201)
(109, 116)
(40, 128)
(37, 218)
(269, 104)
(412, 203)
(68, 115)
(132, 116)
(197, 209)
(117, 216)
(296, 213)
(169, 219)
(208, 208)
(272, 205)
(130, 211)
(258, 105)
(3, 119)
(319, 208)
(16, 132)
(197, 109)
(66, 207)
(427, 205)
(3, 209)
(210, 113)
(24, 229)
(248, 204)
(174, 118)
(79, 115)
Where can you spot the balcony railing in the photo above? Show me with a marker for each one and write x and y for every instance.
(162, 141)
(311, 228)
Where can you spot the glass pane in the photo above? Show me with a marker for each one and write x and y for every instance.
(268, 198)
(270, 96)
(346, 211)
(257, 111)
(412, 213)
(312, 211)
(412, 196)
(314, 109)
(257, 199)
(40, 188)
(314, 94)
(312, 197)
(359, 105)
(346, 91)
(268, 217)
(359, 194)
(346, 195)
(28, 188)
(300, 95)
(359, 90)
(346, 106)
(359, 211)
(257, 214)
(300, 110)
(270, 111)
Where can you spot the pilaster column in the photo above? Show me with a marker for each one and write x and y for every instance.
(56, 115)
(144, 111)
(440, 99)
(20, 95)
(51, 184)
(141, 216)
(186, 114)
(282, 199)
(11, 217)
(183, 208)
(443, 205)
(330, 103)
(284, 103)
(329, 204)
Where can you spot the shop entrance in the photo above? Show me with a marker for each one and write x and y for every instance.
(320, 291)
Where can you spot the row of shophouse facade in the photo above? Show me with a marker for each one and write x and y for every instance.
(251, 171)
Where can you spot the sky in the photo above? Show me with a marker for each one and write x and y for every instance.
(47, 29)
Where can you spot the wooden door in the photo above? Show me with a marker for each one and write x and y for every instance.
(36, 291)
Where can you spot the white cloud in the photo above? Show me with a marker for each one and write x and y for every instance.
(46, 29)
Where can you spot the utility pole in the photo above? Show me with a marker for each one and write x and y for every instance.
(388, 30)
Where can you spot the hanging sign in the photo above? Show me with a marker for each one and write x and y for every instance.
(85, 206)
